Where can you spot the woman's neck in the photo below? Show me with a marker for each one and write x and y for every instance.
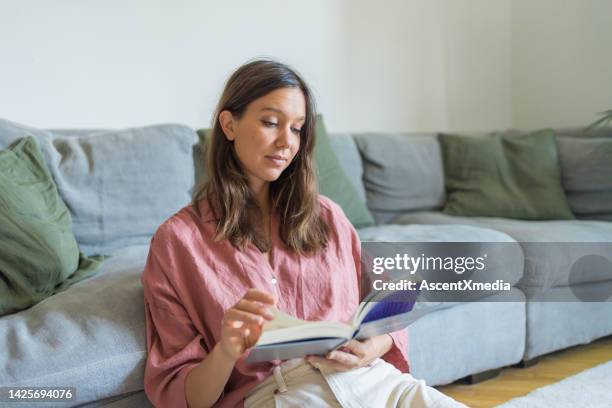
(261, 191)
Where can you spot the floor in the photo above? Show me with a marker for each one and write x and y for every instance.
(516, 382)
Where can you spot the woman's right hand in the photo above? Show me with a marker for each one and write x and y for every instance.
(242, 323)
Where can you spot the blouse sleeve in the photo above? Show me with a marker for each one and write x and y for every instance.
(398, 353)
(174, 346)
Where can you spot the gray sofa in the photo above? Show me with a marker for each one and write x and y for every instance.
(401, 176)
(119, 185)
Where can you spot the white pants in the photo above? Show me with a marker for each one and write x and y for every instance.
(299, 383)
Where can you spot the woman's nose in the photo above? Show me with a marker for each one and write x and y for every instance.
(284, 137)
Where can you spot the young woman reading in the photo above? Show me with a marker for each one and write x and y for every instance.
(257, 236)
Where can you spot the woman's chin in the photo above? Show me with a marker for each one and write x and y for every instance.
(272, 178)
(272, 175)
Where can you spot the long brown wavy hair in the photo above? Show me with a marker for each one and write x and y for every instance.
(294, 194)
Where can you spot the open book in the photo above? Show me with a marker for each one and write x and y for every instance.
(287, 337)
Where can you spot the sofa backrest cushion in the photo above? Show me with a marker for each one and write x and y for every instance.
(119, 185)
(402, 172)
(584, 133)
(586, 170)
(12, 131)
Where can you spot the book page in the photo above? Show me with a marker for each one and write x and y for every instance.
(285, 327)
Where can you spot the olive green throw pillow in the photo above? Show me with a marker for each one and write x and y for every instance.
(509, 176)
(39, 255)
(333, 181)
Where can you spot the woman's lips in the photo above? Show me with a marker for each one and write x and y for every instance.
(277, 160)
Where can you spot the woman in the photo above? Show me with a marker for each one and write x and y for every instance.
(257, 236)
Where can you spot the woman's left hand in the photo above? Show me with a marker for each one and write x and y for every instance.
(358, 353)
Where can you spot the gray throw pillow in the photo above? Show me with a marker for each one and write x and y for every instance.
(402, 172)
(586, 170)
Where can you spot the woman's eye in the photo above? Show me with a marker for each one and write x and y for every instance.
(296, 131)
(268, 123)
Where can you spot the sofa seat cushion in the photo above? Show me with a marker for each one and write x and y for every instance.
(478, 336)
(91, 336)
(504, 257)
(553, 323)
(551, 248)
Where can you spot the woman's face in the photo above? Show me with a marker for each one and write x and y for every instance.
(267, 136)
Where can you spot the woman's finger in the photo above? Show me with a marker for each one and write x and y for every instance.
(254, 335)
(255, 308)
(235, 314)
(236, 331)
(260, 296)
(347, 359)
(356, 347)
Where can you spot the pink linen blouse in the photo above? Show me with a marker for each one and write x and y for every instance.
(190, 281)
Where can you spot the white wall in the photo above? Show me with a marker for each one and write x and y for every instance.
(426, 65)
(561, 61)
(404, 65)
(122, 63)
(478, 51)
